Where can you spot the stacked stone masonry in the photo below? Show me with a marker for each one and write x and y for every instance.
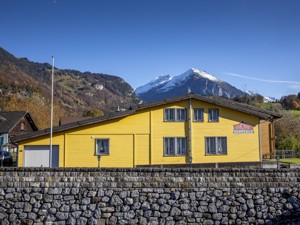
(149, 196)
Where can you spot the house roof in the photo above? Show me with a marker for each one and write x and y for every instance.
(9, 119)
(227, 103)
(66, 120)
(2, 119)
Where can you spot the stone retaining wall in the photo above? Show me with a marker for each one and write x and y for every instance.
(149, 196)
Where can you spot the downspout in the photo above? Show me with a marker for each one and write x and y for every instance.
(151, 138)
(190, 133)
(260, 141)
(134, 147)
(65, 150)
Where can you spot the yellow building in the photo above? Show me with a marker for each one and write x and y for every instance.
(191, 129)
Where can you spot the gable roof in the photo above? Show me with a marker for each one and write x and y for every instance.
(227, 103)
(9, 119)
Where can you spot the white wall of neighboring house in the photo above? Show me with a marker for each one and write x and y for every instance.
(4, 142)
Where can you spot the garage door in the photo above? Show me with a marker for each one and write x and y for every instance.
(38, 156)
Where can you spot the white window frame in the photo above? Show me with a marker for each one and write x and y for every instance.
(175, 114)
(97, 142)
(216, 145)
(197, 112)
(213, 115)
(178, 146)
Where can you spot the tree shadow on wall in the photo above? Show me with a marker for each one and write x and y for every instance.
(287, 218)
(290, 211)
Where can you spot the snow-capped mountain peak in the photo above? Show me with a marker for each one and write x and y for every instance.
(194, 80)
(165, 82)
(203, 74)
(178, 80)
(160, 80)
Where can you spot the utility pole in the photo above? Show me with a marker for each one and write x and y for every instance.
(51, 114)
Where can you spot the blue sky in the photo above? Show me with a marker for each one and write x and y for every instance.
(251, 44)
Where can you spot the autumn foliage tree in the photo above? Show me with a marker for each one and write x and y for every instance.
(287, 131)
(290, 102)
(93, 113)
(295, 105)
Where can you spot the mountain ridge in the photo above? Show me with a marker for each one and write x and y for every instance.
(26, 85)
(194, 80)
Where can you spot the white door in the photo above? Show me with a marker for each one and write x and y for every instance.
(38, 155)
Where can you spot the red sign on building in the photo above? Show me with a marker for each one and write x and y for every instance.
(243, 128)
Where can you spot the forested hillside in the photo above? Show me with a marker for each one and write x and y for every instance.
(26, 85)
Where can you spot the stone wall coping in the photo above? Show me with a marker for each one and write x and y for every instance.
(147, 170)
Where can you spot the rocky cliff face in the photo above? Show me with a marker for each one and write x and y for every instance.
(193, 80)
(26, 85)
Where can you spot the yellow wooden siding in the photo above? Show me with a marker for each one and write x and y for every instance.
(240, 147)
(81, 151)
(58, 139)
(133, 124)
(161, 129)
(142, 146)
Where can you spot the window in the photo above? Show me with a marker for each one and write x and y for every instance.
(180, 114)
(22, 125)
(102, 146)
(175, 146)
(213, 115)
(198, 115)
(175, 114)
(216, 145)
(169, 114)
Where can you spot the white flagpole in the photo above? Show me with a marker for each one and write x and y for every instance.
(51, 114)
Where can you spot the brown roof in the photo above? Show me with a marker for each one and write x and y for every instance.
(66, 120)
(227, 103)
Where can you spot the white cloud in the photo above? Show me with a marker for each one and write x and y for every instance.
(294, 84)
